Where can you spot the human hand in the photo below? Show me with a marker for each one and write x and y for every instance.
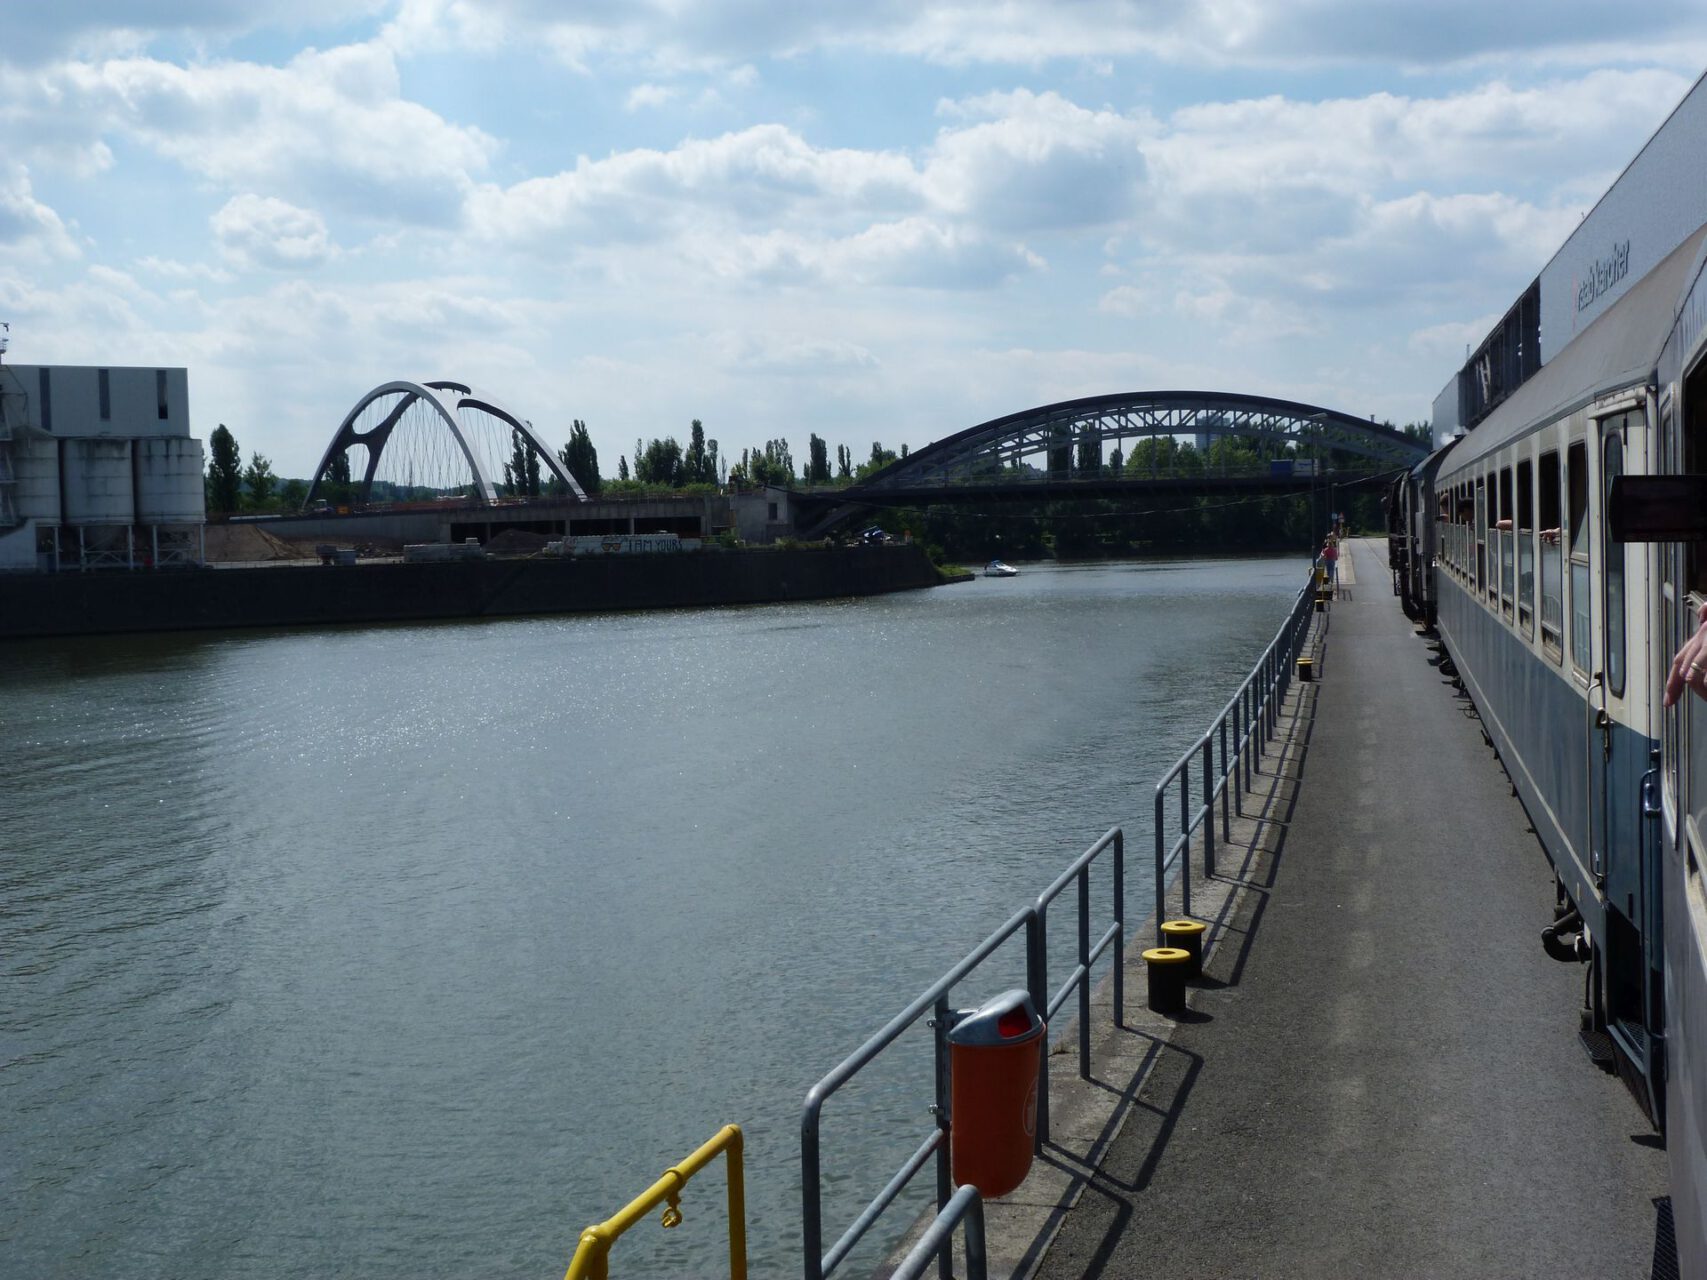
(1689, 666)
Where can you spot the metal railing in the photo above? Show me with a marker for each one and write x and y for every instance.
(1242, 732)
(965, 1204)
(1033, 921)
(592, 1253)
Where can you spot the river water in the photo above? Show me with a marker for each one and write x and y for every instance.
(402, 951)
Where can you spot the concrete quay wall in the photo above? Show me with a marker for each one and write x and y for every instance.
(297, 595)
(1379, 1074)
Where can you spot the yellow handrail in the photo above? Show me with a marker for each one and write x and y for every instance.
(592, 1254)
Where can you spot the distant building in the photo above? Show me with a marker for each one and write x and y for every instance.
(98, 469)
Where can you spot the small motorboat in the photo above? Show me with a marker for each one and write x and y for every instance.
(1000, 569)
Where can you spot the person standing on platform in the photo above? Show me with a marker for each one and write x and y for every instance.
(1331, 561)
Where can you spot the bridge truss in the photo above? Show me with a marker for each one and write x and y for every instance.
(1038, 454)
(421, 440)
(996, 449)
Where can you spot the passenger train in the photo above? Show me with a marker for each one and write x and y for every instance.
(1557, 545)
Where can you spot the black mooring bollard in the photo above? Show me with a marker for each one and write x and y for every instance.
(1187, 935)
(1166, 967)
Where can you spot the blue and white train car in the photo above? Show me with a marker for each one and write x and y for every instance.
(1563, 635)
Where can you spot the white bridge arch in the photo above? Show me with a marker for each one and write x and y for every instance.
(447, 430)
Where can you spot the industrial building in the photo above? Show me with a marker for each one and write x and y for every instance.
(98, 469)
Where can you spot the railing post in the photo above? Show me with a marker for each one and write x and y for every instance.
(1120, 927)
(944, 1017)
(1037, 979)
(1161, 869)
(1246, 735)
(1208, 807)
(1226, 784)
(1085, 972)
(1185, 841)
(1272, 698)
(735, 1173)
(1237, 777)
(811, 1209)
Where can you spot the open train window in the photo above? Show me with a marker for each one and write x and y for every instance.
(1612, 577)
(1526, 547)
(1552, 557)
(1576, 484)
(1694, 414)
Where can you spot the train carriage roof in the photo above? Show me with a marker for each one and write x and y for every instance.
(1620, 349)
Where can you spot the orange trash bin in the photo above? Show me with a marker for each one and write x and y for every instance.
(993, 1057)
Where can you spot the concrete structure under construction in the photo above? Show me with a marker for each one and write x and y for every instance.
(98, 469)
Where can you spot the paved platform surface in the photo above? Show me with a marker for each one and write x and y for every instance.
(1381, 1076)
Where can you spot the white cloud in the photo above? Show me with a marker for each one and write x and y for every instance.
(1124, 300)
(263, 231)
(29, 229)
(1038, 162)
(755, 180)
(103, 28)
(647, 96)
(331, 126)
(791, 353)
(670, 34)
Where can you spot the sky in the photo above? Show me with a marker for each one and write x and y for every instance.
(875, 221)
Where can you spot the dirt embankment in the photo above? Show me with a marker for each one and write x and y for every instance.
(246, 543)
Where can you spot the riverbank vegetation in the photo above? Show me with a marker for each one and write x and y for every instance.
(1158, 521)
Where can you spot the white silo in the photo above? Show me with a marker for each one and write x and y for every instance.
(168, 480)
(95, 477)
(35, 466)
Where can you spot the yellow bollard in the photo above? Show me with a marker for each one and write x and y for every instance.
(1187, 935)
(1166, 968)
(1306, 669)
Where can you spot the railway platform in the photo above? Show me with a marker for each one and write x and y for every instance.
(1380, 1074)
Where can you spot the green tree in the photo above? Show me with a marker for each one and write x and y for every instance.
(774, 464)
(521, 472)
(338, 488)
(292, 494)
(817, 460)
(1088, 462)
(581, 460)
(696, 468)
(224, 471)
(660, 464)
(260, 482)
(844, 462)
(622, 468)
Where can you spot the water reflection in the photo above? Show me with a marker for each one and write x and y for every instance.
(395, 949)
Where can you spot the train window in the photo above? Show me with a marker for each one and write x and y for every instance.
(1612, 597)
(1466, 535)
(1576, 481)
(1526, 546)
(1552, 558)
(1483, 577)
(1506, 539)
(1694, 415)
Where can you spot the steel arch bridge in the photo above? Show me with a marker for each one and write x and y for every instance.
(433, 435)
(994, 454)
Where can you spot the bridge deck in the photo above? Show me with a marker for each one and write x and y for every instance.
(1382, 1077)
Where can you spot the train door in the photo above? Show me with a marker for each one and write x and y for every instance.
(1623, 851)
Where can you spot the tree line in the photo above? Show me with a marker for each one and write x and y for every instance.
(662, 463)
(1016, 529)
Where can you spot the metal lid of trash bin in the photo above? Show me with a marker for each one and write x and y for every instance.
(1009, 1018)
